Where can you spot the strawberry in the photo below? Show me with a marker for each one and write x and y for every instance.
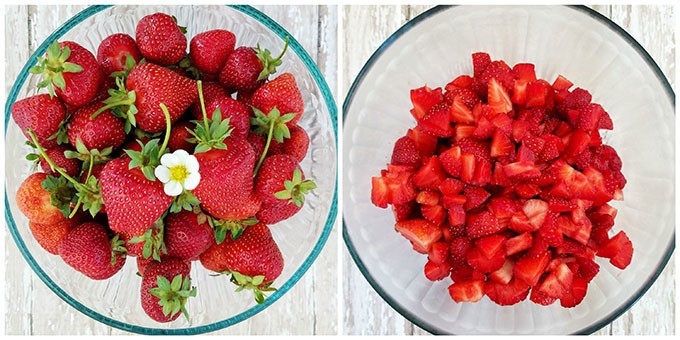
(295, 146)
(480, 61)
(88, 249)
(71, 72)
(211, 91)
(281, 183)
(209, 50)
(179, 136)
(257, 142)
(506, 294)
(281, 93)
(619, 250)
(530, 267)
(248, 68)
(133, 202)
(185, 237)
(42, 114)
(35, 203)
(160, 39)
(227, 181)
(467, 291)
(436, 272)
(499, 100)
(99, 133)
(482, 224)
(475, 197)
(253, 259)
(430, 175)
(405, 152)
(49, 236)
(166, 287)
(114, 50)
(421, 233)
(238, 115)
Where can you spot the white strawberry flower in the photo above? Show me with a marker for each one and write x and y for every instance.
(178, 171)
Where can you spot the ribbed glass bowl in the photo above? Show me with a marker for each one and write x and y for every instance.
(116, 301)
(576, 42)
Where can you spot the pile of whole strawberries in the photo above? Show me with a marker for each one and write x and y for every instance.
(145, 153)
(504, 184)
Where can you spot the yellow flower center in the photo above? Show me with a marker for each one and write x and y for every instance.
(178, 173)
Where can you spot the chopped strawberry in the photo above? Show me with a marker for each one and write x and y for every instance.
(507, 294)
(428, 197)
(535, 210)
(519, 222)
(434, 213)
(549, 232)
(561, 83)
(477, 148)
(504, 274)
(436, 121)
(405, 152)
(577, 99)
(451, 161)
(459, 112)
(522, 170)
(499, 100)
(478, 261)
(485, 129)
(482, 224)
(480, 61)
(501, 144)
(439, 252)
(421, 233)
(619, 250)
(589, 117)
(424, 142)
(430, 175)
(558, 282)
(403, 211)
(578, 232)
(536, 93)
(526, 190)
(475, 196)
(423, 99)
(575, 295)
(467, 291)
(518, 243)
(605, 122)
(491, 245)
(456, 215)
(463, 131)
(436, 272)
(529, 268)
(451, 186)
(540, 298)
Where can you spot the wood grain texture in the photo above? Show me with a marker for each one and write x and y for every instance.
(309, 308)
(365, 28)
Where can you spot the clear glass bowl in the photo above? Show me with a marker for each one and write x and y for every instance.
(588, 49)
(116, 301)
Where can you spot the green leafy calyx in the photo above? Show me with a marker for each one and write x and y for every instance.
(53, 66)
(296, 189)
(172, 296)
(269, 64)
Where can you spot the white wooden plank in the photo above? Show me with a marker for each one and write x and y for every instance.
(652, 26)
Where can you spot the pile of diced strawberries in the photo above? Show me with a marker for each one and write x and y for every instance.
(504, 184)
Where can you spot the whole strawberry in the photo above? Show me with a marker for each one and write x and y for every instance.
(133, 202)
(160, 40)
(238, 115)
(35, 203)
(102, 132)
(147, 86)
(248, 68)
(88, 249)
(296, 146)
(71, 72)
(42, 114)
(185, 237)
(166, 286)
(209, 50)
(179, 135)
(227, 180)
(281, 186)
(113, 51)
(281, 93)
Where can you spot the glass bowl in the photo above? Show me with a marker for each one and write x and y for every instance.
(116, 301)
(588, 49)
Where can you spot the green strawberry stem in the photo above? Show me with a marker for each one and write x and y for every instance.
(129, 101)
(80, 197)
(50, 162)
(200, 97)
(266, 146)
(168, 127)
(268, 64)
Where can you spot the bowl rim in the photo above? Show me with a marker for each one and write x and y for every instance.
(415, 319)
(328, 226)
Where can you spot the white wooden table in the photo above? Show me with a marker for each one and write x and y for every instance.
(364, 29)
(309, 308)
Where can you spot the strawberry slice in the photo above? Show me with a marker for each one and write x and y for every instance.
(522, 170)
(456, 215)
(558, 282)
(536, 94)
(459, 112)
(420, 232)
(503, 208)
(549, 231)
(587, 268)
(380, 192)
(589, 117)
(605, 122)
(481, 224)
(578, 232)
(518, 243)
(561, 83)
(540, 298)
(485, 129)
(423, 99)
(428, 197)
(469, 164)
(506, 294)
(451, 186)
(403, 211)
(619, 250)
(498, 97)
(461, 131)
(475, 196)
(578, 142)
(436, 272)
(519, 222)
(504, 274)
(405, 152)
(501, 145)
(451, 161)
(526, 190)
(430, 175)
(480, 61)
(529, 268)
(467, 291)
